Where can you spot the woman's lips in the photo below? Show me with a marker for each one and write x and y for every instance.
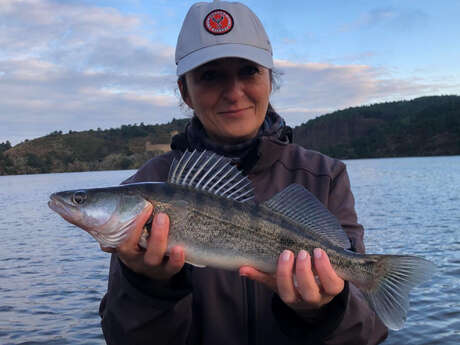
(234, 112)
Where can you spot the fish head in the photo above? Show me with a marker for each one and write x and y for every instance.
(108, 214)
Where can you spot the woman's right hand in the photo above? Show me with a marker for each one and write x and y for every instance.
(151, 261)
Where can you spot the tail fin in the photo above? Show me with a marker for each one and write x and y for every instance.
(395, 276)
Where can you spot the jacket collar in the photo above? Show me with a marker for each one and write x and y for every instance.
(273, 133)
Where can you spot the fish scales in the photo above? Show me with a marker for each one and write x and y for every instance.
(211, 215)
(221, 226)
(209, 224)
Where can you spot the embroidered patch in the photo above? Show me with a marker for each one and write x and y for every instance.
(218, 22)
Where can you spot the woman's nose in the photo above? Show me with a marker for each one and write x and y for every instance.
(234, 89)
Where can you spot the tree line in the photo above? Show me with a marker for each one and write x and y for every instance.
(420, 127)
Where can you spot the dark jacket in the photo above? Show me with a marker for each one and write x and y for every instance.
(212, 306)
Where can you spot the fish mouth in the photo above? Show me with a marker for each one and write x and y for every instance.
(63, 208)
(70, 212)
(57, 204)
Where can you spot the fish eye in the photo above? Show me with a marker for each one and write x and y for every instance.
(79, 197)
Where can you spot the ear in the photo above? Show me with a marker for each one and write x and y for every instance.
(184, 92)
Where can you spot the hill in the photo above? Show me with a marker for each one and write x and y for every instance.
(126, 147)
(421, 127)
(425, 126)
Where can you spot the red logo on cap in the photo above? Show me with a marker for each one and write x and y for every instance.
(218, 22)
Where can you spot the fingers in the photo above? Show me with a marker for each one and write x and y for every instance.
(331, 283)
(307, 286)
(307, 293)
(157, 246)
(130, 243)
(158, 240)
(284, 279)
(150, 261)
(261, 277)
(175, 261)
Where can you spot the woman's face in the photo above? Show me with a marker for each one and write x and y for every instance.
(230, 97)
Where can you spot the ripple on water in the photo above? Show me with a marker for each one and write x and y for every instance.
(47, 341)
(6, 308)
(71, 272)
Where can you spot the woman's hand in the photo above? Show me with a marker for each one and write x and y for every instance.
(305, 291)
(151, 261)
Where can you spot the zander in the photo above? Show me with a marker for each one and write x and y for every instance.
(213, 217)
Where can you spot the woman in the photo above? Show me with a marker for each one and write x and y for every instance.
(224, 63)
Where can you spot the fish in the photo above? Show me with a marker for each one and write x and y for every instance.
(214, 217)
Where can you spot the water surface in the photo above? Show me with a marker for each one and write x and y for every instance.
(53, 275)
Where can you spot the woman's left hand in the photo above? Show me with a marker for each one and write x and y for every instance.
(306, 291)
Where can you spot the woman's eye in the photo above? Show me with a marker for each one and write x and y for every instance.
(209, 75)
(249, 70)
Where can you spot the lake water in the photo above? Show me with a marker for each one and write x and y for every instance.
(53, 275)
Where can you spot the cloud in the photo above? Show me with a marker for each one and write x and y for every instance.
(312, 89)
(355, 58)
(70, 66)
(45, 25)
(47, 97)
(389, 18)
(67, 66)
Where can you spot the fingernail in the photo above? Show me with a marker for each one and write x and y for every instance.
(160, 219)
(317, 253)
(242, 272)
(302, 255)
(286, 255)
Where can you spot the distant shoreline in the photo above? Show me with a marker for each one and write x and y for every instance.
(422, 127)
(134, 169)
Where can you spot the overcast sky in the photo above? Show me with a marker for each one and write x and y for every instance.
(76, 64)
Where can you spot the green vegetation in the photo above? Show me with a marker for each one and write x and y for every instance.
(5, 146)
(420, 127)
(127, 147)
(424, 126)
(6, 164)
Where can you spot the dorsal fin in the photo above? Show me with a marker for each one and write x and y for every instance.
(212, 173)
(300, 205)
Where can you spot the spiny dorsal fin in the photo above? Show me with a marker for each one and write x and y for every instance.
(298, 204)
(212, 173)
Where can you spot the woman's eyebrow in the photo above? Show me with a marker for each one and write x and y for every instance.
(210, 64)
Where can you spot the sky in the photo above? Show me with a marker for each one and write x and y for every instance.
(81, 64)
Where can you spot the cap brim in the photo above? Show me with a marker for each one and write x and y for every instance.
(204, 55)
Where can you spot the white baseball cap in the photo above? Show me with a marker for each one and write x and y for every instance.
(219, 29)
